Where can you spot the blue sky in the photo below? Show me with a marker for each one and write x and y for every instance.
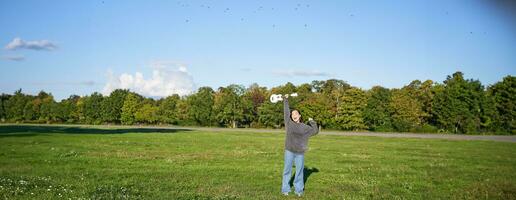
(164, 47)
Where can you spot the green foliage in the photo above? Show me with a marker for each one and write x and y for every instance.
(48, 109)
(130, 107)
(377, 114)
(271, 114)
(333, 90)
(69, 109)
(15, 106)
(29, 113)
(146, 114)
(168, 111)
(406, 112)
(112, 106)
(200, 106)
(182, 112)
(503, 96)
(457, 105)
(330, 86)
(424, 94)
(91, 107)
(426, 128)
(351, 108)
(3, 101)
(255, 95)
(318, 107)
(230, 108)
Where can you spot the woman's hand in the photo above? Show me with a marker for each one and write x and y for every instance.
(286, 96)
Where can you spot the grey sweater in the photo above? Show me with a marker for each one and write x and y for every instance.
(297, 134)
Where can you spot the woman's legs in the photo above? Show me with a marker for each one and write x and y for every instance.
(287, 171)
(299, 184)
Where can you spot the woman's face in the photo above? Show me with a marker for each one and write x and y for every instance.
(296, 116)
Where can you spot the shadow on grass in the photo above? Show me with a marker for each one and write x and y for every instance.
(24, 130)
(306, 173)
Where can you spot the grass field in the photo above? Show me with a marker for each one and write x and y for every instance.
(48, 162)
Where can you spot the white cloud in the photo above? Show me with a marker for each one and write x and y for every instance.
(166, 80)
(300, 73)
(14, 57)
(18, 43)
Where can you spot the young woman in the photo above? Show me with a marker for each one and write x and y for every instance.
(296, 143)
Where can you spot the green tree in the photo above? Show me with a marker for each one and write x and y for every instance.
(377, 114)
(230, 108)
(305, 89)
(15, 106)
(28, 111)
(330, 86)
(183, 115)
(271, 114)
(489, 115)
(422, 92)
(112, 106)
(3, 101)
(334, 90)
(168, 109)
(503, 95)
(458, 107)
(91, 107)
(318, 107)
(350, 111)
(48, 108)
(406, 111)
(147, 113)
(69, 110)
(130, 107)
(80, 109)
(200, 106)
(256, 95)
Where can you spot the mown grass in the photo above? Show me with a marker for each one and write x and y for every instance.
(48, 162)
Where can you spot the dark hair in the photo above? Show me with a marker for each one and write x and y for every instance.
(300, 118)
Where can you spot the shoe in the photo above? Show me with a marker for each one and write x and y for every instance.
(299, 194)
(285, 193)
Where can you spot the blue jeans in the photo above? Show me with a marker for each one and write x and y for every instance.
(299, 158)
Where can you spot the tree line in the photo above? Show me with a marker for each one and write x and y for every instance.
(457, 105)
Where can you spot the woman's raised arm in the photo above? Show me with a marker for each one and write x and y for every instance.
(286, 111)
